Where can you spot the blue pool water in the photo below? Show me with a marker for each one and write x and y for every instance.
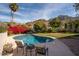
(32, 39)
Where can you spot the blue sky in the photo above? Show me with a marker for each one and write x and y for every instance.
(33, 11)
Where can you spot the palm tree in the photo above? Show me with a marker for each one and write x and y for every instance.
(14, 7)
(76, 6)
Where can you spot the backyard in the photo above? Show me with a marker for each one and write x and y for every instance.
(32, 30)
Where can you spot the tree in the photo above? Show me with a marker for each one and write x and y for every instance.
(76, 22)
(76, 6)
(14, 7)
(39, 26)
(55, 24)
(70, 24)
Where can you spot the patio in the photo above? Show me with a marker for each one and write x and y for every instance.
(56, 48)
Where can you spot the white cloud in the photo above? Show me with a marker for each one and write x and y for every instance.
(4, 17)
(44, 12)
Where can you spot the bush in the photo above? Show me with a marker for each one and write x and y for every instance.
(17, 29)
(49, 30)
(7, 48)
(10, 32)
(3, 28)
(40, 26)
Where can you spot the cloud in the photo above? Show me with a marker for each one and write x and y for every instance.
(4, 18)
(31, 12)
(46, 12)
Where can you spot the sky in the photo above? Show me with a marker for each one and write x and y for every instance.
(28, 12)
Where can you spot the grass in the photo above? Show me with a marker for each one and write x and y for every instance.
(58, 35)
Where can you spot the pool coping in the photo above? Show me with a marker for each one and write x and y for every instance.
(31, 34)
(53, 38)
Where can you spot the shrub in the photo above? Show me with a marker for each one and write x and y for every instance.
(7, 48)
(17, 29)
(40, 26)
(49, 29)
(3, 28)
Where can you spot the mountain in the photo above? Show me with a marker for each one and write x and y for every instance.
(61, 17)
(65, 17)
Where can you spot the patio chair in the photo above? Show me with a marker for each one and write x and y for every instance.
(20, 44)
(30, 49)
(41, 51)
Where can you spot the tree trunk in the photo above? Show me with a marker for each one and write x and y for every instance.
(12, 14)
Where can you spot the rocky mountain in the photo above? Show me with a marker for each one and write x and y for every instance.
(65, 17)
(61, 17)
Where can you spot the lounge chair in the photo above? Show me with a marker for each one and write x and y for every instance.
(41, 50)
(20, 44)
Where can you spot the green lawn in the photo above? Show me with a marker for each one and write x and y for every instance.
(58, 35)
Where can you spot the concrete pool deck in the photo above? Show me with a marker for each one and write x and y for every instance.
(55, 48)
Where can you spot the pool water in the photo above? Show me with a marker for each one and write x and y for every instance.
(32, 39)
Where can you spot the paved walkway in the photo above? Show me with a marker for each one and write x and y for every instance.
(55, 48)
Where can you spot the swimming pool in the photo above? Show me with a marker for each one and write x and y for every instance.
(33, 39)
